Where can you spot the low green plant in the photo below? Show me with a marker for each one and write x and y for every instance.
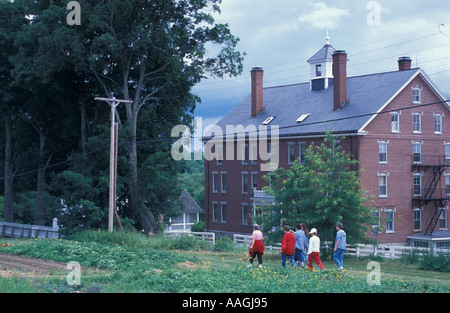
(435, 262)
(198, 227)
(224, 244)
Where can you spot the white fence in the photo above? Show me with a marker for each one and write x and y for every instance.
(388, 251)
(246, 240)
(211, 237)
(16, 230)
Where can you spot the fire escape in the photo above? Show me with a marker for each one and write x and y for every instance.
(430, 193)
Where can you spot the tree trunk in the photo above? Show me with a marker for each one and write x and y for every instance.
(83, 126)
(41, 181)
(145, 218)
(8, 212)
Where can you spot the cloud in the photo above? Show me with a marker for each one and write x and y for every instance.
(322, 17)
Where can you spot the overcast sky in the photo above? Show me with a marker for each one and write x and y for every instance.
(281, 35)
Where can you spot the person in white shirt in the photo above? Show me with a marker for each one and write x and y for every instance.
(314, 250)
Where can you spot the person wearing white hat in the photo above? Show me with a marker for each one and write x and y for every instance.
(314, 250)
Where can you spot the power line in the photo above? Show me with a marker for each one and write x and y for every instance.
(193, 137)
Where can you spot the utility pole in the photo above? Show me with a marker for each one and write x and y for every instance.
(113, 103)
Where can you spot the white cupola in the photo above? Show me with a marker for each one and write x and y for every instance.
(321, 67)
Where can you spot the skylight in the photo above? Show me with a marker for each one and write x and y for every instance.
(268, 120)
(303, 117)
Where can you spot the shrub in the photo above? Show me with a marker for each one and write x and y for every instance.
(224, 244)
(435, 262)
(198, 227)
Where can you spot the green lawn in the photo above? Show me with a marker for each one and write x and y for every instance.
(137, 264)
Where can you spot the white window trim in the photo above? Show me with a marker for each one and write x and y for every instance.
(242, 213)
(420, 114)
(222, 190)
(398, 122)
(420, 219)
(420, 187)
(289, 146)
(242, 183)
(445, 209)
(420, 89)
(244, 150)
(222, 220)
(385, 142)
(215, 190)
(219, 154)
(441, 115)
(253, 153)
(216, 219)
(420, 152)
(385, 175)
(393, 220)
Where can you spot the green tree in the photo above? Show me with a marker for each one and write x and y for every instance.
(322, 191)
(12, 22)
(153, 53)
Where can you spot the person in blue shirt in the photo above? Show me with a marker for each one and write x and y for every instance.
(339, 247)
(300, 240)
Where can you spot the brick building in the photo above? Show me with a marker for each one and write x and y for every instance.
(396, 124)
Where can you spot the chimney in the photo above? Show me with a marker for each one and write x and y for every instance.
(404, 63)
(339, 79)
(257, 90)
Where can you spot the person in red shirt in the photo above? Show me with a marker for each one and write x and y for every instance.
(287, 246)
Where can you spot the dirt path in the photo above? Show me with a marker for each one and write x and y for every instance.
(11, 264)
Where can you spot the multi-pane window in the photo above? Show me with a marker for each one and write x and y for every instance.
(382, 152)
(417, 122)
(447, 185)
(417, 178)
(438, 123)
(318, 70)
(215, 211)
(254, 153)
(245, 155)
(447, 153)
(244, 214)
(254, 180)
(223, 182)
(215, 182)
(244, 182)
(223, 212)
(219, 154)
(417, 95)
(302, 149)
(291, 153)
(375, 221)
(417, 150)
(417, 219)
(443, 219)
(389, 220)
(395, 122)
(382, 184)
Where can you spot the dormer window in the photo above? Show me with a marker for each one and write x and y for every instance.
(318, 70)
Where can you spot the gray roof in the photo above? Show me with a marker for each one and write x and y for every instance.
(326, 53)
(189, 204)
(436, 235)
(367, 95)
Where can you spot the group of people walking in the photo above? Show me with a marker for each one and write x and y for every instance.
(296, 248)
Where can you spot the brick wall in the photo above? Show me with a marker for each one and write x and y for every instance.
(399, 153)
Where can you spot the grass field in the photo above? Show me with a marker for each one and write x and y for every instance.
(121, 263)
